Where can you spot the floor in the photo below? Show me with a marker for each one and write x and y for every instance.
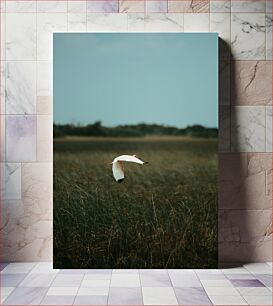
(39, 284)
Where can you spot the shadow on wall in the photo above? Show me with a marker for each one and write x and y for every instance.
(239, 194)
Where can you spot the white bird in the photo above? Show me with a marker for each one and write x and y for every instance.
(118, 165)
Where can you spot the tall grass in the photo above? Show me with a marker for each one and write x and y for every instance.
(163, 215)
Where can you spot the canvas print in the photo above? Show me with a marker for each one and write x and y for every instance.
(135, 150)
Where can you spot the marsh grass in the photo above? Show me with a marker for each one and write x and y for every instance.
(163, 215)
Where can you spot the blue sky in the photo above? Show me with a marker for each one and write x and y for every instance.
(169, 79)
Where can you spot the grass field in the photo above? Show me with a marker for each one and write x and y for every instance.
(163, 215)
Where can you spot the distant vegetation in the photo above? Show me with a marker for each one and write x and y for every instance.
(137, 130)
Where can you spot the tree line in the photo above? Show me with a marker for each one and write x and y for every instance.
(132, 130)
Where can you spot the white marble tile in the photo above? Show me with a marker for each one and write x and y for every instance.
(171, 22)
(97, 276)
(254, 291)
(38, 280)
(269, 6)
(20, 138)
(3, 6)
(153, 6)
(268, 128)
(268, 23)
(220, 23)
(136, 22)
(248, 6)
(46, 25)
(44, 78)
(44, 268)
(258, 299)
(18, 268)
(3, 138)
(59, 6)
(77, 6)
(248, 129)
(248, 36)
(20, 88)
(67, 280)
(21, 36)
(213, 291)
(159, 296)
(3, 36)
(44, 105)
(227, 300)
(258, 268)
(108, 22)
(220, 6)
(216, 283)
(95, 283)
(196, 22)
(12, 181)
(77, 22)
(62, 291)
(20, 6)
(5, 292)
(44, 138)
(125, 280)
(89, 291)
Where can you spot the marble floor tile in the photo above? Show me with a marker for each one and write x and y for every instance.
(246, 283)
(76, 6)
(128, 6)
(125, 280)
(217, 283)
(125, 271)
(227, 300)
(125, 296)
(3, 265)
(38, 280)
(258, 299)
(11, 280)
(97, 276)
(58, 300)
(19, 267)
(90, 300)
(198, 22)
(93, 291)
(192, 296)
(96, 283)
(5, 292)
(62, 291)
(239, 276)
(50, 6)
(12, 173)
(268, 24)
(136, 22)
(21, 6)
(155, 280)
(106, 22)
(67, 280)
(44, 267)
(26, 296)
(266, 279)
(254, 291)
(159, 296)
(221, 291)
(258, 268)
(235, 271)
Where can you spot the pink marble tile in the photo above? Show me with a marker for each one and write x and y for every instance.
(44, 105)
(100, 6)
(245, 235)
(224, 82)
(224, 128)
(44, 138)
(20, 138)
(188, 6)
(131, 6)
(251, 83)
(242, 181)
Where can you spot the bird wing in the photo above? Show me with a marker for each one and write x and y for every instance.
(129, 158)
(118, 171)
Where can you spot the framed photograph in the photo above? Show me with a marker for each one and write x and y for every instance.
(135, 150)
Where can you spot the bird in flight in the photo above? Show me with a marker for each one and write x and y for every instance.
(118, 165)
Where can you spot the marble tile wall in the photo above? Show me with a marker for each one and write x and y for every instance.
(245, 111)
